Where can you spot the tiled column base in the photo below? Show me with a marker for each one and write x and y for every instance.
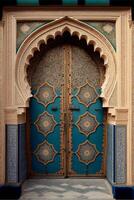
(116, 154)
(16, 155)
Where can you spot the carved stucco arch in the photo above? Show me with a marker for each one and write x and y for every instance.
(51, 30)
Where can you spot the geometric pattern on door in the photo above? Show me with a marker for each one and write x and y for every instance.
(71, 145)
(45, 123)
(45, 153)
(87, 127)
(46, 137)
(87, 124)
(45, 112)
(86, 135)
(87, 94)
(87, 152)
(45, 94)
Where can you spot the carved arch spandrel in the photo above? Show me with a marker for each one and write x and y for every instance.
(51, 30)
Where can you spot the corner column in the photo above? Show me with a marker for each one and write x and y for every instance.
(117, 147)
(15, 146)
(2, 125)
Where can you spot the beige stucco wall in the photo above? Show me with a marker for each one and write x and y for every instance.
(120, 111)
(133, 101)
(2, 128)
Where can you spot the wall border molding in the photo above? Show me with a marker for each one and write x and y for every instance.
(13, 97)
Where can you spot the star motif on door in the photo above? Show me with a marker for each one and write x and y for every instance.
(45, 153)
(45, 94)
(87, 123)
(87, 152)
(45, 123)
(87, 94)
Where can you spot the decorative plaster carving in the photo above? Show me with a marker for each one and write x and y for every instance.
(123, 58)
(121, 116)
(2, 117)
(113, 98)
(15, 115)
(118, 115)
(58, 27)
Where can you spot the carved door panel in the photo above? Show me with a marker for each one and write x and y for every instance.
(66, 114)
(86, 134)
(46, 111)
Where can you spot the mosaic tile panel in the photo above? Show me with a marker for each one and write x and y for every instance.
(116, 154)
(12, 153)
(110, 153)
(120, 154)
(107, 29)
(25, 28)
(22, 152)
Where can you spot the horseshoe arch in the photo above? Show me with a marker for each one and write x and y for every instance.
(51, 30)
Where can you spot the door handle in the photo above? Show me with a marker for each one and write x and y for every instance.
(72, 108)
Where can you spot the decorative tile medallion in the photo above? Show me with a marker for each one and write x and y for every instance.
(45, 153)
(87, 152)
(108, 29)
(45, 94)
(87, 94)
(87, 123)
(45, 123)
(25, 28)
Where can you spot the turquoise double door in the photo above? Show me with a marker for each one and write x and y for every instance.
(66, 114)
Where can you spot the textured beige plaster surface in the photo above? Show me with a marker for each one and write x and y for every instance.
(2, 127)
(116, 93)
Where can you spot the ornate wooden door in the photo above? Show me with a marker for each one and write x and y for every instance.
(67, 134)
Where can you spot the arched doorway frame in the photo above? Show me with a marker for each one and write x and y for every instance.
(51, 30)
(119, 109)
(69, 47)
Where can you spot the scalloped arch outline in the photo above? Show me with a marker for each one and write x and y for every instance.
(51, 30)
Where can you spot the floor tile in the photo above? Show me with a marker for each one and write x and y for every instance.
(66, 189)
